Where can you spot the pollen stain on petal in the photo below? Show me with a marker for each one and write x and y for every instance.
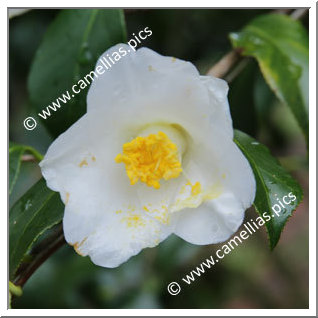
(83, 163)
(160, 214)
(173, 59)
(150, 68)
(67, 197)
(196, 188)
(196, 195)
(77, 245)
(212, 192)
(163, 215)
(93, 158)
(133, 220)
(164, 218)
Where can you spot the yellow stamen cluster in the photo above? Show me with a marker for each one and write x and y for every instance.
(150, 159)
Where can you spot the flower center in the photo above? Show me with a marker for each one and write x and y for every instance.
(150, 159)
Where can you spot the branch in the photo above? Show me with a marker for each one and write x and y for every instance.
(223, 66)
(299, 13)
(231, 64)
(40, 254)
(28, 158)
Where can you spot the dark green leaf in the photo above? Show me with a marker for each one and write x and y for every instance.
(15, 154)
(38, 210)
(272, 184)
(280, 45)
(69, 51)
(241, 100)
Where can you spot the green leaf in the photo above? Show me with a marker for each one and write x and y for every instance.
(280, 45)
(38, 210)
(69, 51)
(241, 100)
(272, 184)
(15, 154)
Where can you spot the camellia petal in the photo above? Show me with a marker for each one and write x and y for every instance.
(226, 191)
(103, 215)
(135, 75)
(152, 156)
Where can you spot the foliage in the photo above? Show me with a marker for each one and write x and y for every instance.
(37, 211)
(69, 50)
(280, 45)
(15, 156)
(272, 184)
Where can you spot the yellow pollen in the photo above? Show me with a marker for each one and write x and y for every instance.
(83, 163)
(150, 159)
(77, 245)
(196, 188)
(67, 197)
(133, 220)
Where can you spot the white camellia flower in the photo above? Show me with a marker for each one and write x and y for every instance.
(153, 155)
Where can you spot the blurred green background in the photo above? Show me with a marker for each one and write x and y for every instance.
(251, 276)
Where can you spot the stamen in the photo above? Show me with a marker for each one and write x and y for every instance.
(150, 159)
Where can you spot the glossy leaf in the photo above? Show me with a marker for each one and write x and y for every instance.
(38, 210)
(69, 51)
(280, 45)
(15, 154)
(272, 183)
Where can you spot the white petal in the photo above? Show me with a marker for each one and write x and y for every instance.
(110, 220)
(147, 88)
(110, 238)
(218, 90)
(134, 75)
(212, 222)
(228, 180)
(103, 217)
(171, 92)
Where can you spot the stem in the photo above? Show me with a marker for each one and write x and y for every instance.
(223, 66)
(299, 13)
(34, 155)
(28, 158)
(237, 69)
(231, 64)
(40, 254)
